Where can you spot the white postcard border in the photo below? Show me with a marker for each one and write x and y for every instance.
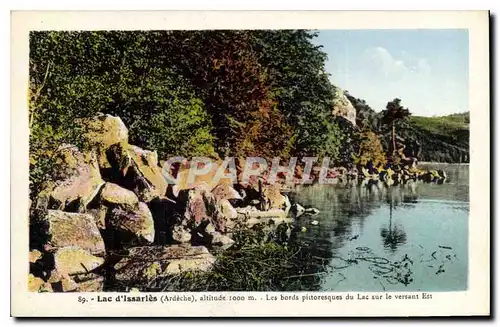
(474, 301)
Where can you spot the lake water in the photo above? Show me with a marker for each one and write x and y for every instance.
(403, 238)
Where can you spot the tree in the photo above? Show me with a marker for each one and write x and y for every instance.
(393, 113)
(77, 74)
(370, 149)
(304, 94)
(235, 87)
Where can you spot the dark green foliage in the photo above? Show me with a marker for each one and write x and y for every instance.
(303, 91)
(115, 73)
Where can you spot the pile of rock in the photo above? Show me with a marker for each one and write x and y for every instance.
(395, 175)
(108, 212)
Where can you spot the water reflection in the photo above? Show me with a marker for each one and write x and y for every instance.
(394, 235)
(402, 225)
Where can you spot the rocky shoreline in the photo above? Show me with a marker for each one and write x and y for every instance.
(108, 213)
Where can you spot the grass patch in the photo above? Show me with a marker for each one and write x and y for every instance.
(445, 125)
(252, 264)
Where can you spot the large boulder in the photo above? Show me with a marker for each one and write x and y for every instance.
(75, 182)
(130, 226)
(101, 132)
(196, 208)
(203, 207)
(113, 194)
(137, 170)
(72, 229)
(73, 260)
(225, 192)
(272, 197)
(149, 262)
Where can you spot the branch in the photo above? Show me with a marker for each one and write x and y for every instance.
(37, 93)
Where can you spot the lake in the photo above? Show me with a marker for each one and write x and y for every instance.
(402, 238)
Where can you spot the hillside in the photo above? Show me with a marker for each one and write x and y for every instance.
(437, 139)
(443, 139)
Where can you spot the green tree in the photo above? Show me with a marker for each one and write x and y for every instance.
(394, 113)
(77, 74)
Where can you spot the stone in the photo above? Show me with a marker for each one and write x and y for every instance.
(315, 223)
(131, 226)
(101, 132)
(35, 255)
(68, 285)
(46, 288)
(311, 211)
(34, 283)
(297, 210)
(272, 197)
(99, 215)
(73, 229)
(113, 194)
(144, 167)
(221, 240)
(148, 262)
(180, 234)
(288, 204)
(225, 192)
(75, 183)
(74, 260)
(196, 209)
(227, 210)
(89, 282)
(56, 276)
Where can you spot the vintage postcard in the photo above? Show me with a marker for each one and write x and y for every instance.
(262, 164)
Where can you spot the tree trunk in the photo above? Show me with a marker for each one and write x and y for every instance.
(393, 138)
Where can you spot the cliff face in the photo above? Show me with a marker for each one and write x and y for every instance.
(342, 107)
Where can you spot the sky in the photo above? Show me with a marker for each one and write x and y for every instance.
(426, 69)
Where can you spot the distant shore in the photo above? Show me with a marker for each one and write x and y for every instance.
(442, 163)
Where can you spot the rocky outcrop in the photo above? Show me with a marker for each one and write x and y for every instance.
(147, 263)
(342, 107)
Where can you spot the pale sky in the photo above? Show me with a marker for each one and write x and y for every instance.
(426, 69)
